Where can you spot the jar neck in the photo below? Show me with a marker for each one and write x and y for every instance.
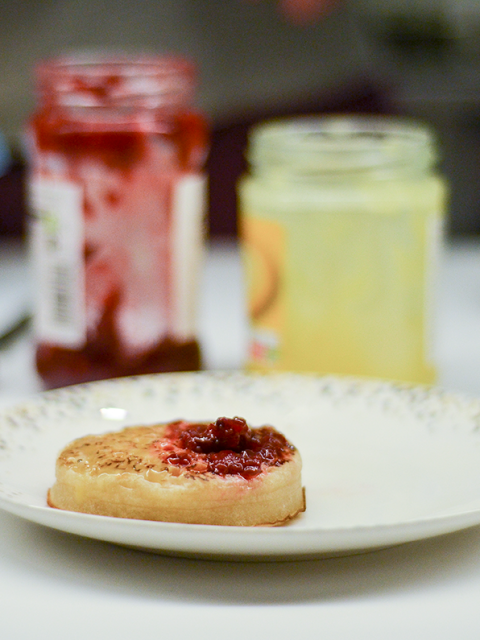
(340, 148)
(115, 82)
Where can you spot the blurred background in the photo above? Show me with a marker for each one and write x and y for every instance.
(411, 57)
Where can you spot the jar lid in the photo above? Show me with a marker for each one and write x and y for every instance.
(332, 145)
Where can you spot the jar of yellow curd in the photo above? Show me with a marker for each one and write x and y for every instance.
(341, 223)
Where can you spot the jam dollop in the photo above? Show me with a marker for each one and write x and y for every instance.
(227, 446)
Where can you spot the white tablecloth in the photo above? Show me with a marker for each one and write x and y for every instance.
(55, 585)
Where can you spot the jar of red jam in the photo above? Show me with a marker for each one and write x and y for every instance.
(116, 192)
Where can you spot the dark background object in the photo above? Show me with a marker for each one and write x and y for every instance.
(12, 201)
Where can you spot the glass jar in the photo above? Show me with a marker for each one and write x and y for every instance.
(341, 222)
(116, 191)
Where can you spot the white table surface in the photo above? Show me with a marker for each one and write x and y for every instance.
(56, 585)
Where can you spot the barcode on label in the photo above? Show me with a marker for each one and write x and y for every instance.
(57, 241)
(62, 307)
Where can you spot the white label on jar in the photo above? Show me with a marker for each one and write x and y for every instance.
(57, 251)
(187, 245)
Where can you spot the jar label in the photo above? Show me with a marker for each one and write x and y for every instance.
(264, 251)
(132, 264)
(187, 247)
(57, 247)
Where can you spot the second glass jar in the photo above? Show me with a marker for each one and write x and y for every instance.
(341, 223)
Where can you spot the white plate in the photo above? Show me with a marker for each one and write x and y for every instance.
(383, 464)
